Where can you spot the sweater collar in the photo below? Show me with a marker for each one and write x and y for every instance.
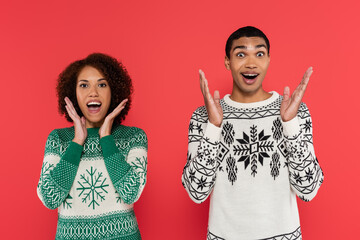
(265, 102)
(93, 131)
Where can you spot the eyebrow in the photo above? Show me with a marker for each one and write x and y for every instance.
(244, 47)
(84, 80)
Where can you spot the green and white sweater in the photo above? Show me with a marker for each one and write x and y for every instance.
(94, 186)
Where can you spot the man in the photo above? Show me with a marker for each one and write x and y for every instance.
(252, 150)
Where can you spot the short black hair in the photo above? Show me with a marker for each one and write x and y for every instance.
(247, 31)
(113, 70)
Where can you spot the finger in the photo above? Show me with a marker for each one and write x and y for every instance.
(286, 95)
(71, 106)
(83, 121)
(68, 102)
(118, 109)
(217, 97)
(306, 79)
(71, 115)
(207, 91)
(202, 83)
(121, 105)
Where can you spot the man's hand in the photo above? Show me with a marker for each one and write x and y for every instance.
(213, 108)
(79, 123)
(105, 128)
(290, 105)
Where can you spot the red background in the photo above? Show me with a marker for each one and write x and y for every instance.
(163, 44)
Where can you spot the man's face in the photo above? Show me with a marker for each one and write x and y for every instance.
(249, 61)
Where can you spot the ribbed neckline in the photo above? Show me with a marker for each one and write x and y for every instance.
(93, 131)
(265, 102)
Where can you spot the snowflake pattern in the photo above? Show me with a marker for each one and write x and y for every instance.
(67, 203)
(228, 133)
(118, 198)
(140, 166)
(231, 169)
(45, 169)
(277, 129)
(92, 188)
(275, 165)
(196, 127)
(307, 126)
(253, 148)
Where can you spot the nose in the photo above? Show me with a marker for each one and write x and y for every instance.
(251, 64)
(93, 92)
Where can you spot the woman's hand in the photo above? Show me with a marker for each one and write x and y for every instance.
(290, 104)
(79, 123)
(105, 128)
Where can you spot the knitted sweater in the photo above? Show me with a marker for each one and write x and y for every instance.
(253, 166)
(94, 186)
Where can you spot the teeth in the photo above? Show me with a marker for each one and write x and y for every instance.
(94, 103)
(251, 75)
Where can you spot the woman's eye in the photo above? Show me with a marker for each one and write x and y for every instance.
(83, 85)
(102, 85)
(240, 55)
(260, 54)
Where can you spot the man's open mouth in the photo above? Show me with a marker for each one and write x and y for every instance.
(250, 75)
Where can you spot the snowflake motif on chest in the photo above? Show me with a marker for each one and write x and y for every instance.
(228, 133)
(253, 148)
(92, 188)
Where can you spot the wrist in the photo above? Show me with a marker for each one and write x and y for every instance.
(215, 123)
(104, 134)
(78, 141)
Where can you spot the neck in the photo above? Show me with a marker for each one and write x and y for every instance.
(249, 97)
(89, 124)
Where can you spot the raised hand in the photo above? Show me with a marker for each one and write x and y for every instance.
(105, 128)
(290, 104)
(212, 104)
(79, 123)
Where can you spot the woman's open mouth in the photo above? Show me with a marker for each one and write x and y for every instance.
(94, 106)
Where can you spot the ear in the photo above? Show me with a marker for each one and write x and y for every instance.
(227, 63)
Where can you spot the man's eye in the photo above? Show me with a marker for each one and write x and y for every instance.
(102, 85)
(260, 54)
(240, 55)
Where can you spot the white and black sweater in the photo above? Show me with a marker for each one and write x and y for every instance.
(254, 165)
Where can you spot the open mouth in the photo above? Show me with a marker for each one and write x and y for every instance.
(250, 76)
(94, 106)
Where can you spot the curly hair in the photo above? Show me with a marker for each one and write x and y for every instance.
(113, 71)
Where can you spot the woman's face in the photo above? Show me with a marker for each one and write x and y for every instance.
(93, 95)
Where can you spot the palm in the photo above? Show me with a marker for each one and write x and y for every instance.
(79, 123)
(290, 104)
(105, 128)
(212, 104)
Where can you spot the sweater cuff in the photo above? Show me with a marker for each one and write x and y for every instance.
(292, 127)
(73, 153)
(212, 132)
(108, 146)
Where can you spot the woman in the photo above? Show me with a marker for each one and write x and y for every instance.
(94, 171)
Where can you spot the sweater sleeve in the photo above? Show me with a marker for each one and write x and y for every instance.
(305, 173)
(57, 173)
(199, 173)
(127, 171)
